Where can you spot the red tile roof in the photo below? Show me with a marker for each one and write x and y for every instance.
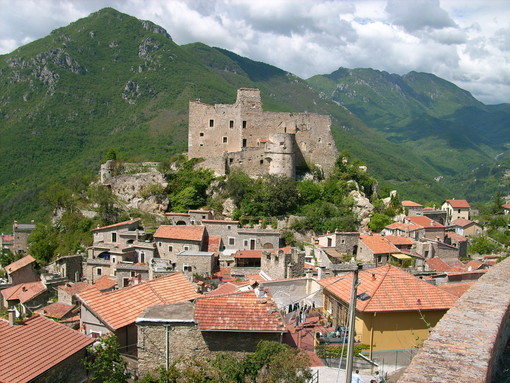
(411, 204)
(475, 265)
(20, 263)
(10, 238)
(404, 226)
(181, 232)
(249, 253)
(242, 312)
(390, 289)
(74, 288)
(55, 310)
(199, 211)
(423, 221)
(24, 291)
(463, 222)
(378, 244)
(104, 283)
(220, 221)
(179, 214)
(118, 224)
(36, 345)
(456, 237)
(398, 240)
(507, 206)
(254, 277)
(437, 264)
(120, 308)
(224, 289)
(458, 203)
(457, 289)
(213, 244)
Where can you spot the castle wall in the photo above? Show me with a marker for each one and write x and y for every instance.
(219, 129)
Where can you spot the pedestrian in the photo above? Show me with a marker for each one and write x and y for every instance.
(377, 377)
(356, 378)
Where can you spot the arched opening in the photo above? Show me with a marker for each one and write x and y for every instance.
(181, 223)
(105, 255)
(268, 246)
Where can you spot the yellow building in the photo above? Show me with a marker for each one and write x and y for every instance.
(398, 312)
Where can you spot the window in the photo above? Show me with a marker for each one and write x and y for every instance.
(186, 267)
(99, 271)
(186, 248)
(114, 237)
(231, 124)
(159, 244)
(133, 273)
(225, 140)
(244, 142)
(170, 248)
(320, 139)
(95, 334)
(230, 160)
(245, 243)
(458, 211)
(113, 259)
(201, 145)
(231, 241)
(211, 123)
(141, 257)
(342, 241)
(229, 227)
(244, 124)
(201, 134)
(262, 162)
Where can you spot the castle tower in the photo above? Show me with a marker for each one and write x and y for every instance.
(249, 99)
(280, 153)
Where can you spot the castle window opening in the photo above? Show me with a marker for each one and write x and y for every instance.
(262, 162)
(201, 145)
(211, 123)
(244, 124)
(320, 139)
(225, 139)
(244, 142)
(231, 124)
(201, 134)
(231, 160)
(282, 143)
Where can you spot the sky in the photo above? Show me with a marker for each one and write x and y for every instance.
(466, 42)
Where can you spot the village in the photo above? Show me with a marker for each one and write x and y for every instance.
(202, 284)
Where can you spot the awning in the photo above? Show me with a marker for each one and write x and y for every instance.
(401, 256)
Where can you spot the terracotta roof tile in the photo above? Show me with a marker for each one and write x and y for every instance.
(224, 289)
(474, 265)
(507, 206)
(55, 310)
(411, 204)
(220, 221)
(437, 264)
(34, 346)
(242, 311)
(104, 283)
(254, 277)
(390, 289)
(8, 238)
(181, 232)
(456, 237)
(457, 289)
(458, 203)
(462, 222)
(404, 226)
(398, 240)
(378, 244)
(74, 288)
(20, 263)
(213, 244)
(119, 308)
(24, 292)
(423, 221)
(249, 253)
(199, 211)
(118, 224)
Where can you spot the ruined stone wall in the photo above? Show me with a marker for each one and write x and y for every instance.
(219, 129)
(282, 265)
(187, 341)
(459, 351)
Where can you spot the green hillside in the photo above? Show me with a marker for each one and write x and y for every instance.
(112, 81)
(442, 124)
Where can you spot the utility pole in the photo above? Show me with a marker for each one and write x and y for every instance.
(352, 318)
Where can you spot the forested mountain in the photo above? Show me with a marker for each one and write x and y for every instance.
(112, 81)
(463, 139)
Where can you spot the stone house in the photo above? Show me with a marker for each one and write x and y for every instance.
(428, 248)
(409, 230)
(41, 351)
(201, 263)
(27, 297)
(396, 315)
(70, 267)
(455, 209)
(6, 242)
(243, 135)
(342, 242)
(506, 208)
(22, 271)
(21, 232)
(172, 239)
(374, 248)
(192, 217)
(466, 227)
(234, 322)
(67, 292)
(432, 229)
(116, 311)
(119, 250)
(412, 208)
(459, 241)
(284, 263)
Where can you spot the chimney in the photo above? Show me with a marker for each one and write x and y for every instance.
(12, 317)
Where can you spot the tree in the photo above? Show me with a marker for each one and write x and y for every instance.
(482, 245)
(106, 362)
(379, 221)
(43, 242)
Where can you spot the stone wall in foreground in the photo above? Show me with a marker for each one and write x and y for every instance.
(468, 343)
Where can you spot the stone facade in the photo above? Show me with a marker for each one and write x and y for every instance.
(195, 262)
(243, 135)
(71, 370)
(283, 264)
(21, 232)
(69, 267)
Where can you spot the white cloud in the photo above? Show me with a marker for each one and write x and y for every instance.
(465, 42)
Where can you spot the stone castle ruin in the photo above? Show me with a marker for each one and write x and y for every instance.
(243, 135)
